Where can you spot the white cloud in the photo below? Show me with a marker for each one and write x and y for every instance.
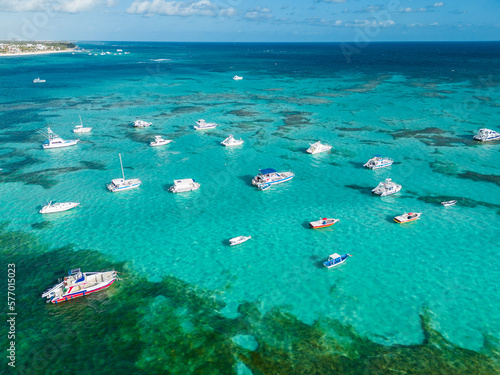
(330, 1)
(70, 6)
(436, 5)
(179, 8)
(258, 13)
(412, 10)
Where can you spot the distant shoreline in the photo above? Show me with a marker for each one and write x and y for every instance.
(34, 53)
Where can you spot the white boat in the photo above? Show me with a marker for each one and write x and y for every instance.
(486, 135)
(449, 203)
(407, 217)
(79, 284)
(335, 260)
(58, 207)
(230, 141)
(183, 185)
(159, 141)
(269, 176)
(323, 223)
(378, 162)
(238, 240)
(120, 184)
(387, 187)
(54, 141)
(80, 128)
(38, 80)
(141, 124)
(119, 50)
(317, 147)
(201, 125)
(237, 78)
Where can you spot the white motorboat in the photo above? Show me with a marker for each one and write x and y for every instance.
(230, 141)
(38, 80)
(335, 260)
(141, 124)
(183, 185)
(486, 135)
(52, 208)
(323, 223)
(407, 217)
(318, 147)
(159, 141)
(269, 176)
(237, 78)
(201, 125)
(238, 240)
(79, 284)
(387, 187)
(378, 162)
(120, 184)
(80, 128)
(54, 141)
(449, 203)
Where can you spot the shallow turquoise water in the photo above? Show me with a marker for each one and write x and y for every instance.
(290, 96)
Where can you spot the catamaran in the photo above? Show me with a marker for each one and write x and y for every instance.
(120, 184)
(378, 162)
(80, 128)
(387, 187)
(269, 176)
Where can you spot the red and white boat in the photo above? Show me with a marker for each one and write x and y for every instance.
(323, 223)
(407, 217)
(79, 284)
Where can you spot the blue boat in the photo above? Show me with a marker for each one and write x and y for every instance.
(270, 176)
(336, 259)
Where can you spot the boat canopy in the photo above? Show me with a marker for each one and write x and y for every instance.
(267, 170)
(334, 256)
(186, 181)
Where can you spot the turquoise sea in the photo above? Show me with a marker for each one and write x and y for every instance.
(416, 298)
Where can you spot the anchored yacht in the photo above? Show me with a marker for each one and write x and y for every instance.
(120, 184)
(159, 141)
(79, 284)
(269, 176)
(141, 124)
(230, 141)
(237, 78)
(317, 147)
(378, 162)
(54, 141)
(387, 187)
(486, 135)
(38, 80)
(80, 128)
(58, 207)
(201, 125)
(183, 185)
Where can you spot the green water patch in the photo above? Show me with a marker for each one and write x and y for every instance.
(46, 178)
(180, 110)
(433, 136)
(171, 327)
(242, 113)
(452, 169)
(42, 225)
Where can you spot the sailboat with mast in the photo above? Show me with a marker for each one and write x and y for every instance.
(120, 184)
(80, 128)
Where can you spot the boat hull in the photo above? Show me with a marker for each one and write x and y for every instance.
(82, 130)
(115, 189)
(82, 293)
(53, 210)
(47, 146)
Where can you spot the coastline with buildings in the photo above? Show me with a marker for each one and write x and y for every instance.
(35, 48)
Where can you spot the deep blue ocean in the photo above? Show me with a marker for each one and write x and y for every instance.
(416, 298)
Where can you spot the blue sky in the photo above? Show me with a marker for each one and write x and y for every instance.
(250, 21)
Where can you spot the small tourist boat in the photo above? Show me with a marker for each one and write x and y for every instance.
(237, 78)
(54, 141)
(378, 162)
(238, 240)
(58, 207)
(142, 124)
(318, 147)
(38, 80)
(79, 284)
(336, 259)
(201, 125)
(449, 203)
(120, 184)
(80, 128)
(485, 135)
(159, 141)
(270, 176)
(183, 185)
(323, 223)
(230, 141)
(387, 187)
(407, 217)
